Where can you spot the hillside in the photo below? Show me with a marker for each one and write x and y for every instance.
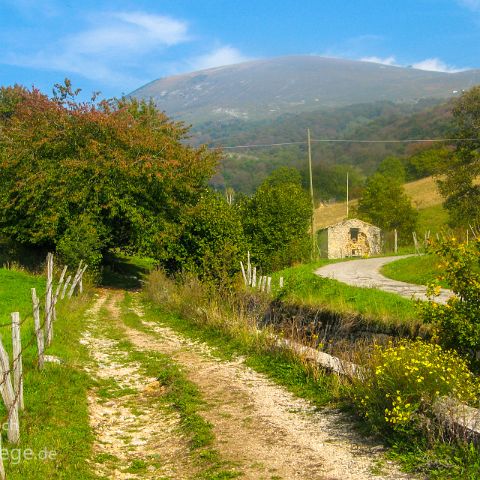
(270, 87)
(423, 192)
(245, 168)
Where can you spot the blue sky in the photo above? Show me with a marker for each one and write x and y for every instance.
(117, 46)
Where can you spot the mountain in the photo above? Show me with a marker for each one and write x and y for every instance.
(268, 88)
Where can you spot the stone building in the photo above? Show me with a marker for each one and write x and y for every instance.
(350, 238)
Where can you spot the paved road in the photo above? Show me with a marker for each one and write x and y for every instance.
(366, 273)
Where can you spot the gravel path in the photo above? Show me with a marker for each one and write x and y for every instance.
(366, 273)
(259, 426)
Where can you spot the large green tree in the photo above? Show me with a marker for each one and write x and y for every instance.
(276, 220)
(111, 174)
(210, 242)
(385, 204)
(459, 185)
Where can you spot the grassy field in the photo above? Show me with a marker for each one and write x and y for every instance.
(55, 434)
(303, 287)
(425, 197)
(419, 270)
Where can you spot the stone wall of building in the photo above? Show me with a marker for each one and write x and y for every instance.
(367, 239)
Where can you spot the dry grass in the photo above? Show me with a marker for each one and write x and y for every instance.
(423, 192)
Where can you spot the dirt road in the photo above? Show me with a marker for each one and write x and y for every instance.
(366, 273)
(259, 427)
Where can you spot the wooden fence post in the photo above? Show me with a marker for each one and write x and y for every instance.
(249, 269)
(281, 282)
(254, 277)
(269, 284)
(57, 292)
(38, 328)
(8, 396)
(67, 283)
(243, 273)
(48, 300)
(17, 363)
(74, 281)
(2, 468)
(395, 245)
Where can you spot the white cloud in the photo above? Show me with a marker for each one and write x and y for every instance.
(384, 61)
(436, 65)
(131, 31)
(470, 4)
(109, 47)
(218, 57)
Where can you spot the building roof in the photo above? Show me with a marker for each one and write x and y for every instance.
(345, 221)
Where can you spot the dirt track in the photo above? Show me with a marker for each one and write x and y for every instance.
(259, 426)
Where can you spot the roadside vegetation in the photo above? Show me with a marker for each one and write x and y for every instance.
(114, 184)
(54, 425)
(420, 270)
(383, 310)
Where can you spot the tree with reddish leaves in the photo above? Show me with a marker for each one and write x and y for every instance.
(109, 174)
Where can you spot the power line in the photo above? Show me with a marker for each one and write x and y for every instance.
(338, 140)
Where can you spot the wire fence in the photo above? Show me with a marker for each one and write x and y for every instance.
(11, 372)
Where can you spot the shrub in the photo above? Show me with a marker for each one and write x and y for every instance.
(82, 241)
(457, 324)
(276, 220)
(401, 383)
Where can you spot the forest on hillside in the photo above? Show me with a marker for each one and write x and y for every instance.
(244, 169)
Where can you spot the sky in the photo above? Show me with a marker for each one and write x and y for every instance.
(117, 46)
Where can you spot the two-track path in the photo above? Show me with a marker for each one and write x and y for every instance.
(259, 427)
(366, 273)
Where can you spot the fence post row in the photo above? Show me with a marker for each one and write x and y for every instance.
(11, 375)
(38, 328)
(17, 363)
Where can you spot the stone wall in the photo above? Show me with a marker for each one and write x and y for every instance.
(340, 243)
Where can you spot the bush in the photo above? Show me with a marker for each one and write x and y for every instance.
(401, 383)
(210, 242)
(276, 220)
(81, 241)
(457, 324)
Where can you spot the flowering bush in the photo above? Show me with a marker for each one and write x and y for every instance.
(457, 324)
(402, 381)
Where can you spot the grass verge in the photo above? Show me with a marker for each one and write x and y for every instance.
(56, 439)
(303, 287)
(419, 270)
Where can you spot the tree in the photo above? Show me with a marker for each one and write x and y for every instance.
(116, 168)
(393, 168)
(276, 220)
(210, 242)
(385, 204)
(459, 186)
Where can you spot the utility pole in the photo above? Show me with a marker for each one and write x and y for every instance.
(347, 195)
(311, 194)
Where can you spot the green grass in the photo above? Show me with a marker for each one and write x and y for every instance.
(432, 219)
(419, 270)
(125, 272)
(384, 309)
(55, 419)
